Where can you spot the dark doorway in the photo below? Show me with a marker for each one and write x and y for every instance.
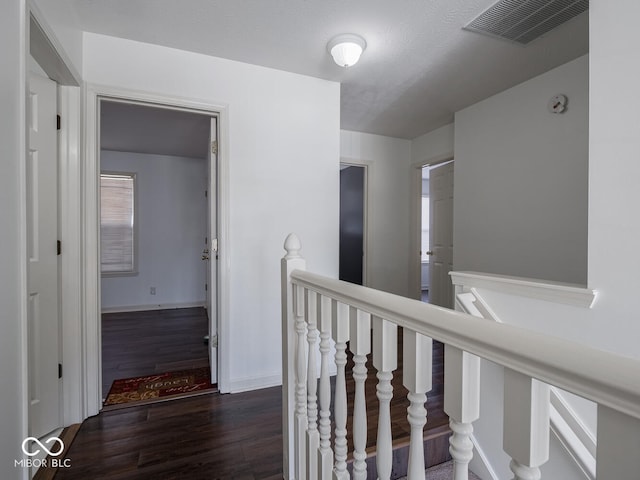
(351, 223)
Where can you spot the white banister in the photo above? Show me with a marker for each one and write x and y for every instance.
(571, 366)
(462, 404)
(340, 333)
(325, 454)
(313, 438)
(385, 360)
(532, 362)
(292, 261)
(417, 359)
(360, 346)
(526, 424)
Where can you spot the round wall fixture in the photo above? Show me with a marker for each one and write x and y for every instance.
(558, 103)
(346, 49)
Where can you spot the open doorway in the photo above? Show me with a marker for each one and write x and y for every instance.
(158, 211)
(436, 233)
(352, 265)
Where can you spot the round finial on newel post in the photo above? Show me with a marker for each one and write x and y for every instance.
(292, 246)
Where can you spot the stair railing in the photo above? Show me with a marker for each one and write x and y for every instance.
(314, 306)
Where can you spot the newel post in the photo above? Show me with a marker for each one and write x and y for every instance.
(291, 261)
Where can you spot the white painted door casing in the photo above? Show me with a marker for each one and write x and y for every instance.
(212, 262)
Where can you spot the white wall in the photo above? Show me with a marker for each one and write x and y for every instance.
(614, 170)
(283, 153)
(388, 162)
(520, 182)
(13, 397)
(171, 218)
(433, 145)
(520, 208)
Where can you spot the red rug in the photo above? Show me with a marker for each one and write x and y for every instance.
(159, 387)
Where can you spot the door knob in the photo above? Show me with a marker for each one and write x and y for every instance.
(205, 256)
(205, 251)
(430, 252)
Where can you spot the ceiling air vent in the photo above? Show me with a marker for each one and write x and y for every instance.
(525, 20)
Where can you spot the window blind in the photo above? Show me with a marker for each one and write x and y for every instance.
(117, 217)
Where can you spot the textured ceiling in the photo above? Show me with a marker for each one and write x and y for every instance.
(418, 69)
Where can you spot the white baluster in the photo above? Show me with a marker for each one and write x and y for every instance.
(526, 424)
(360, 346)
(618, 445)
(416, 377)
(325, 454)
(385, 360)
(292, 261)
(462, 404)
(340, 333)
(301, 386)
(312, 306)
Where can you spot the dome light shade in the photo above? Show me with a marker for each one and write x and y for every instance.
(346, 49)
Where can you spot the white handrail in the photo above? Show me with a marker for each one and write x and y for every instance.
(582, 370)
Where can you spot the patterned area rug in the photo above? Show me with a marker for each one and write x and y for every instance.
(153, 388)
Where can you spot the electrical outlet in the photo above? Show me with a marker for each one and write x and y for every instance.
(152, 290)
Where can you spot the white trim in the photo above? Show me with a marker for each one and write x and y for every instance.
(224, 252)
(91, 260)
(70, 265)
(91, 286)
(415, 219)
(549, 291)
(247, 384)
(157, 306)
(48, 52)
(572, 420)
(480, 464)
(21, 127)
(570, 438)
(366, 241)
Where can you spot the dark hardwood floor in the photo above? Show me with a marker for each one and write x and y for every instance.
(211, 436)
(216, 436)
(154, 341)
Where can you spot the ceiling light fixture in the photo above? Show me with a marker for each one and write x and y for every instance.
(346, 49)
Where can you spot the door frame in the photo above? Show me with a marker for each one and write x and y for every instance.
(415, 223)
(47, 50)
(368, 171)
(91, 230)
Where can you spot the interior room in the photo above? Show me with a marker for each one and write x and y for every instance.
(524, 361)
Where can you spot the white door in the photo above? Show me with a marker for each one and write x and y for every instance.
(210, 255)
(42, 236)
(441, 235)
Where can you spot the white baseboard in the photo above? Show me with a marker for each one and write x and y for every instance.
(157, 306)
(254, 383)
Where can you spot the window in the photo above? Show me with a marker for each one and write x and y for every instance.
(117, 223)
